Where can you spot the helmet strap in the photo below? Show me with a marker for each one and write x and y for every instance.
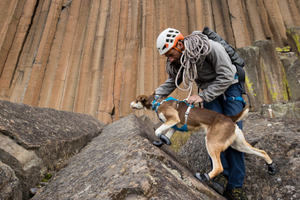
(177, 49)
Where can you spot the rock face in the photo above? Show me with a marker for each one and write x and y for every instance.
(279, 138)
(36, 140)
(293, 77)
(122, 163)
(294, 39)
(9, 183)
(95, 57)
(266, 80)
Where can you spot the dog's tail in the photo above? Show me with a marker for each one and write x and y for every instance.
(240, 116)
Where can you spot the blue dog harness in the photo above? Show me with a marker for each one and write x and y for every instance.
(156, 104)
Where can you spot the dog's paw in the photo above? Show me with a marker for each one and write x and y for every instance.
(165, 139)
(158, 143)
(202, 177)
(271, 168)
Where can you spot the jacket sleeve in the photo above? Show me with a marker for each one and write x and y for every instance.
(167, 87)
(225, 73)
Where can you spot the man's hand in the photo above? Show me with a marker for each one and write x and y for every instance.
(194, 99)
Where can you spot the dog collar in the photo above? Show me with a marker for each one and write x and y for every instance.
(155, 104)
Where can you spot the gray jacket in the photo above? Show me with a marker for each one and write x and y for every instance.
(215, 76)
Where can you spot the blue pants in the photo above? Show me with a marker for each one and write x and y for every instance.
(232, 160)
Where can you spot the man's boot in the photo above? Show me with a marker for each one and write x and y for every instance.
(235, 194)
(219, 183)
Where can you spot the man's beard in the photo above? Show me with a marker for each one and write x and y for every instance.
(172, 68)
(176, 62)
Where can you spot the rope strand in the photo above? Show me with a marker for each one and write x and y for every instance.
(197, 46)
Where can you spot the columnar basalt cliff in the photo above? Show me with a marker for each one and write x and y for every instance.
(94, 57)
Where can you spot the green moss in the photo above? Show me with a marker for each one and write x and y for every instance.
(179, 139)
(284, 49)
(296, 39)
(48, 176)
(286, 88)
(270, 87)
(249, 86)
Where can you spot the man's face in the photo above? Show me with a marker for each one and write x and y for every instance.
(174, 55)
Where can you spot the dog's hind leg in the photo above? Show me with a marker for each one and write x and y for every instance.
(242, 145)
(214, 150)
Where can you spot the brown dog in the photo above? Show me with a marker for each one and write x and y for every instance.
(221, 130)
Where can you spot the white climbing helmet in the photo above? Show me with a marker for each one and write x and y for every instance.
(167, 40)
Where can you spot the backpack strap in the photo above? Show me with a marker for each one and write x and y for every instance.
(236, 60)
(242, 77)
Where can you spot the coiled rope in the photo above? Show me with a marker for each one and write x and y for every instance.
(197, 46)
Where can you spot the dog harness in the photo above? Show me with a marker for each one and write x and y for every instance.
(156, 104)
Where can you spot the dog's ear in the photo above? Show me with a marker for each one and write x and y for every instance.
(144, 98)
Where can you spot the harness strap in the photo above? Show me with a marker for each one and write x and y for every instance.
(187, 113)
(236, 99)
(156, 104)
(236, 76)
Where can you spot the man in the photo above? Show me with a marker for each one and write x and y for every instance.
(217, 78)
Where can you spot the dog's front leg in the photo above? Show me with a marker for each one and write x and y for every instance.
(164, 138)
(169, 116)
(170, 132)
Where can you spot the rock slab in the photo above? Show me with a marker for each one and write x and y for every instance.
(36, 140)
(279, 137)
(122, 163)
(9, 183)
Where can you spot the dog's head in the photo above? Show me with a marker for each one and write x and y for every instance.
(142, 102)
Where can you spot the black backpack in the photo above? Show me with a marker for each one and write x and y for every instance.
(235, 58)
